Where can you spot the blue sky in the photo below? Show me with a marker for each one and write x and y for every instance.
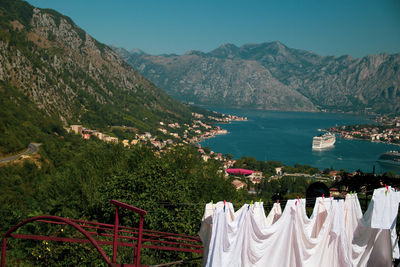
(326, 27)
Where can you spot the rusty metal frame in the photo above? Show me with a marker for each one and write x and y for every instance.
(166, 241)
(55, 218)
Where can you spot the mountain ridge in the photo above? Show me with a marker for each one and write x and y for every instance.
(273, 76)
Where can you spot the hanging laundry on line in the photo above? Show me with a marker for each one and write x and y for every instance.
(336, 234)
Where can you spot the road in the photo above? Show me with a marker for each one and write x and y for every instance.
(32, 149)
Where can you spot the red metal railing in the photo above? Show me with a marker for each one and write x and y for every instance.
(117, 235)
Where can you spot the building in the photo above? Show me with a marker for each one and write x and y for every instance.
(99, 135)
(134, 142)
(108, 138)
(76, 128)
(205, 157)
(278, 171)
(256, 177)
(334, 192)
(125, 142)
(238, 184)
(86, 133)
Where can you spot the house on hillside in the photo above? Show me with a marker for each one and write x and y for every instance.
(205, 157)
(334, 192)
(76, 128)
(279, 171)
(125, 142)
(99, 135)
(86, 133)
(238, 184)
(108, 138)
(256, 177)
(134, 142)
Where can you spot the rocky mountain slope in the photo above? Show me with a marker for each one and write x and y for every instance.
(67, 73)
(274, 77)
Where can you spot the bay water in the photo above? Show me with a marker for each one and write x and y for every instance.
(287, 137)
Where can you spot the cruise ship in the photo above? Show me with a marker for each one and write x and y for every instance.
(323, 141)
(390, 158)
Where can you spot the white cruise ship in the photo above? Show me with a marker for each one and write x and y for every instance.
(323, 141)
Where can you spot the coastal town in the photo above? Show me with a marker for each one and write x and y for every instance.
(169, 133)
(387, 130)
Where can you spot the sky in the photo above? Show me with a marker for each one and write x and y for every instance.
(325, 27)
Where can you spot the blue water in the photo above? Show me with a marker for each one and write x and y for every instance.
(287, 137)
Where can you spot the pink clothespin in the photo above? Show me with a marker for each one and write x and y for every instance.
(277, 201)
(387, 189)
(323, 195)
(298, 200)
(330, 196)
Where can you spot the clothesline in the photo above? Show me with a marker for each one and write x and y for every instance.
(235, 204)
(336, 234)
(268, 204)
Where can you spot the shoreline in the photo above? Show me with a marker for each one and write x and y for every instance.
(367, 140)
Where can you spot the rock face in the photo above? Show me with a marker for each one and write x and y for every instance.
(69, 74)
(275, 77)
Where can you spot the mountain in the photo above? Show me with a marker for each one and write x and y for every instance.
(273, 76)
(67, 74)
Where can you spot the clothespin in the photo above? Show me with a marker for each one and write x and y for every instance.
(211, 204)
(298, 200)
(323, 195)
(277, 201)
(330, 196)
(251, 203)
(260, 202)
(387, 189)
(224, 204)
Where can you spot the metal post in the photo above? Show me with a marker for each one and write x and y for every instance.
(139, 245)
(115, 245)
(3, 253)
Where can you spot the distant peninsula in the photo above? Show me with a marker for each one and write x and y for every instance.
(387, 131)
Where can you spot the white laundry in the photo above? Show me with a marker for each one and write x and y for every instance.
(384, 214)
(386, 206)
(367, 246)
(273, 215)
(336, 234)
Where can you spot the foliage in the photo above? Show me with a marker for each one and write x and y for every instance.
(267, 167)
(21, 122)
(298, 168)
(77, 178)
(16, 10)
(365, 182)
(286, 188)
